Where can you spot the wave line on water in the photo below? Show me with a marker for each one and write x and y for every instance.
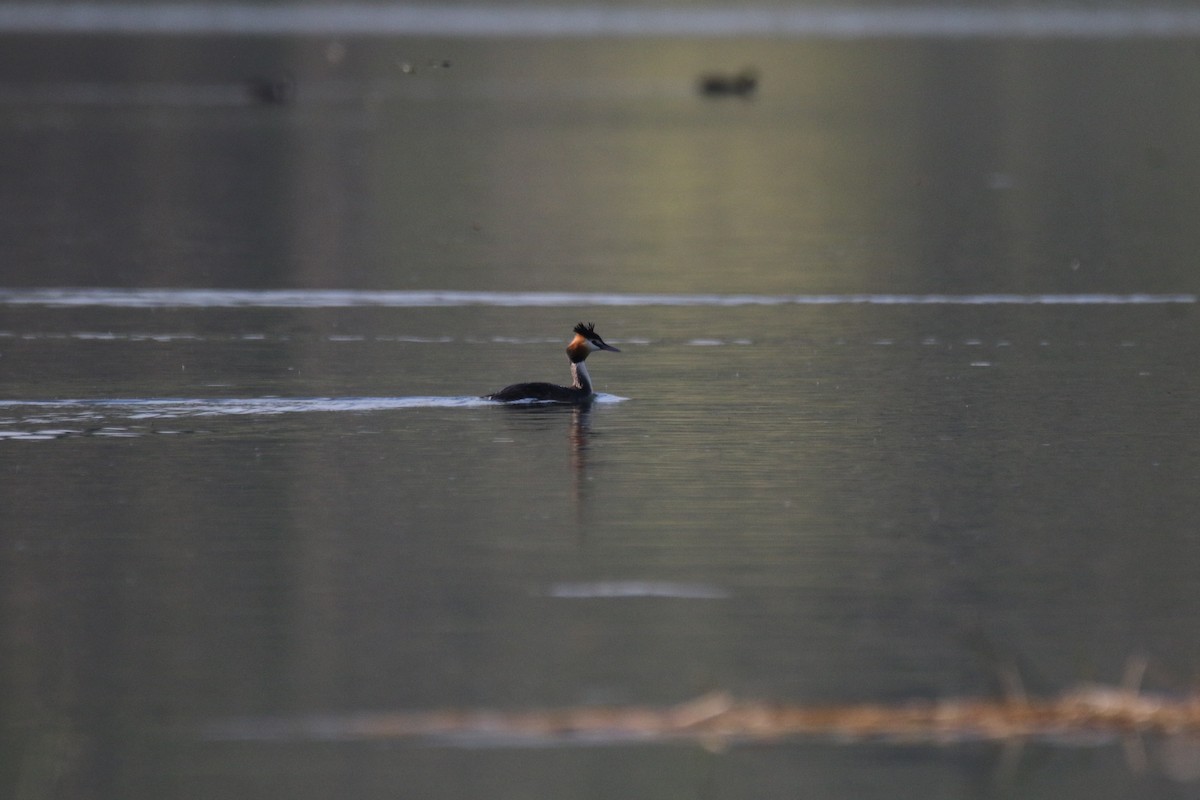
(82, 410)
(352, 298)
(177, 407)
(596, 20)
(636, 589)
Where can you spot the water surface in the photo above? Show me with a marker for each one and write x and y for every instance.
(905, 400)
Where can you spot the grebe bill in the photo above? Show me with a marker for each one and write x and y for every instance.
(579, 392)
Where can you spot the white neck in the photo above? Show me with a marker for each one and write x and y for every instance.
(580, 377)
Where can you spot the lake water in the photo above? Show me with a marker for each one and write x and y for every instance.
(906, 401)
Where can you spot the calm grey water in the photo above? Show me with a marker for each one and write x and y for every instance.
(912, 401)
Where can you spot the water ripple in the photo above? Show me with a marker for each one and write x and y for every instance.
(174, 407)
(593, 20)
(348, 298)
(43, 413)
(637, 589)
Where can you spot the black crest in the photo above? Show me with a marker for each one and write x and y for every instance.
(588, 330)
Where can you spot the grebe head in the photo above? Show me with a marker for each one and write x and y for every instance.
(586, 341)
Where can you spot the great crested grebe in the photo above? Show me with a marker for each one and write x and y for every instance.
(579, 392)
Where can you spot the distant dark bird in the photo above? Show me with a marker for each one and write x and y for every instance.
(579, 392)
(271, 91)
(740, 84)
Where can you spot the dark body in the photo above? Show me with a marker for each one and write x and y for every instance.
(544, 393)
